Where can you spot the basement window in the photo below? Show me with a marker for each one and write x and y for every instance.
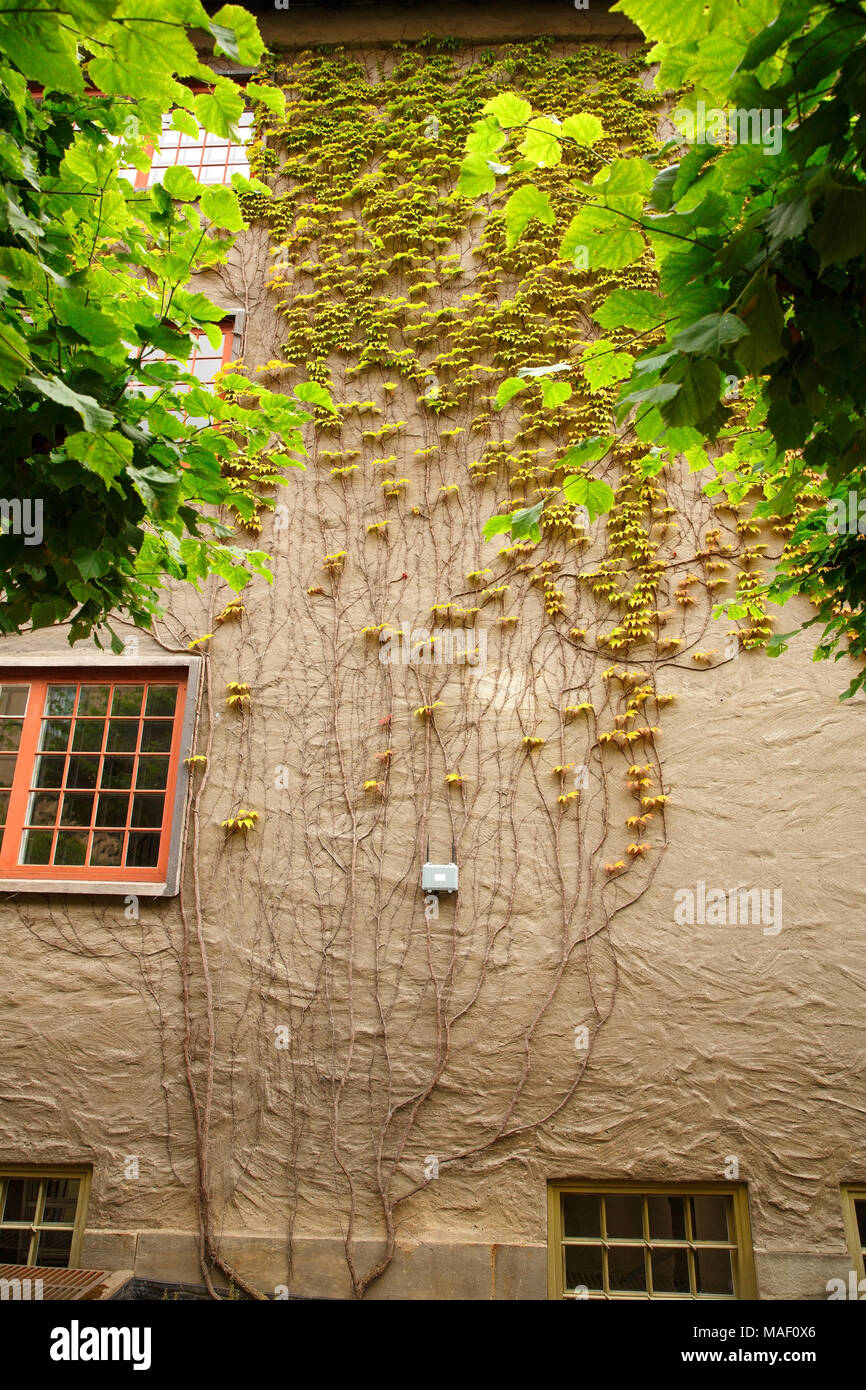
(42, 1216)
(652, 1241)
(92, 778)
(854, 1211)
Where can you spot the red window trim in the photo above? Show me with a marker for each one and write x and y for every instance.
(39, 680)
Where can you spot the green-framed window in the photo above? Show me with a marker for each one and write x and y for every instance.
(621, 1240)
(854, 1211)
(42, 1213)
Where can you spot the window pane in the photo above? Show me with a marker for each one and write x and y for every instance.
(667, 1217)
(107, 848)
(156, 735)
(7, 769)
(122, 735)
(60, 699)
(42, 809)
(49, 772)
(77, 808)
(10, 735)
(709, 1218)
(22, 1195)
(4, 807)
(625, 1268)
(127, 699)
(93, 699)
(14, 1247)
(624, 1215)
(54, 735)
(36, 846)
(142, 852)
(54, 1248)
(13, 699)
(583, 1267)
(152, 773)
(82, 772)
(670, 1271)
(61, 1198)
(112, 809)
(147, 809)
(581, 1214)
(161, 699)
(71, 847)
(713, 1271)
(860, 1210)
(87, 735)
(117, 772)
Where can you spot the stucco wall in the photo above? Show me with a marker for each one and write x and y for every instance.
(452, 1038)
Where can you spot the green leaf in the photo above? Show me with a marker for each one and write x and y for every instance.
(585, 129)
(787, 220)
(485, 137)
(188, 125)
(507, 390)
(179, 182)
(699, 392)
(105, 454)
(509, 109)
(220, 111)
(274, 98)
(220, 206)
(476, 177)
(762, 315)
(314, 394)
(582, 490)
(95, 418)
(588, 451)
(524, 523)
(840, 231)
(710, 335)
(496, 526)
(237, 34)
(636, 309)
(525, 204)
(14, 356)
(603, 365)
(554, 393)
(540, 144)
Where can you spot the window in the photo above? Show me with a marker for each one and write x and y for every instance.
(211, 158)
(42, 1216)
(623, 1240)
(203, 362)
(854, 1211)
(90, 784)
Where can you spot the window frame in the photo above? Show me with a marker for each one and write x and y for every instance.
(742, 1261)
(851, 1193)
(164, 881)
(231, 325)
(143, 180)
(44, 1173)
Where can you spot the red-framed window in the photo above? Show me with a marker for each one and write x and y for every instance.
(88, 771)
(211, 158)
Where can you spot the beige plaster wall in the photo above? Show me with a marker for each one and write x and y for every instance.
(410, 1039)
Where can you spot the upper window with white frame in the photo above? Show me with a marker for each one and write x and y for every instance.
(211, 158)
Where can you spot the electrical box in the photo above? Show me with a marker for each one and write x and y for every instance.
(439, 878)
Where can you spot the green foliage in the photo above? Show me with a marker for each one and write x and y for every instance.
(755, 223)
(129, 455)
